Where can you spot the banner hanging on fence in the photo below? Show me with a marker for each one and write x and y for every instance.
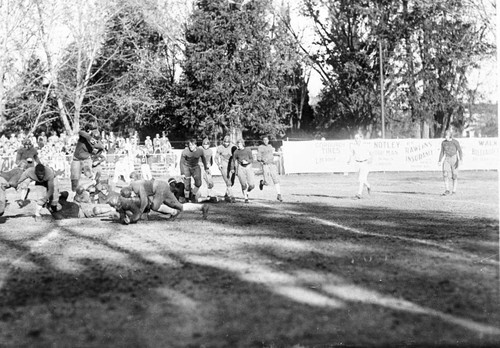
(387, 155)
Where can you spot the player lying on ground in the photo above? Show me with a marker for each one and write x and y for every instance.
(157, 195)
(72, 210)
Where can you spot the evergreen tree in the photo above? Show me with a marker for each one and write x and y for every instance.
(235, 76)
(27, 103)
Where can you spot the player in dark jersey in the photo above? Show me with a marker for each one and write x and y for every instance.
(157, 195)
(190, 168)
(43, 176)
(450, 158)
(27, 153)
(88, 144)
(243, 159)
(9, 179)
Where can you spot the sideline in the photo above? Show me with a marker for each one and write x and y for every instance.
(491, 205)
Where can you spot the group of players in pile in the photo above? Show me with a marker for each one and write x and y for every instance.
(133, 202)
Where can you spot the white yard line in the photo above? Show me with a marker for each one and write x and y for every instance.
(382, 235)
(35, 245)
(400, 304)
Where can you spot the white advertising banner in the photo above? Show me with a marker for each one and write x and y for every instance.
(387, 155)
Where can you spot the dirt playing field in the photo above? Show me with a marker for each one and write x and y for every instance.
(402, 267)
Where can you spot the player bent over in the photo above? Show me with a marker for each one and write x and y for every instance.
(243, 159)
(223, 156)
(157, 195)
(9, 179)
(45, 177)
(190, 168)
(265, 156)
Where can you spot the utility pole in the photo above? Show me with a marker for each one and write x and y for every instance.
(382, 109)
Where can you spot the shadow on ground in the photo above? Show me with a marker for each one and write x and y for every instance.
(281, 275)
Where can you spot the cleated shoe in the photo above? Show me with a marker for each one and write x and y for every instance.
(227, 199)
(246, 200)
(446, 193)
(204, 211)
(261, 185)
(22, 202)
(279, 198)
(126, 220)
(192, 198)
(175, 216)
(357, 197)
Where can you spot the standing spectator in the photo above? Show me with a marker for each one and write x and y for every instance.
(124, 166)
(361, 155)
(243, 159)
(452, 154)
(223, 156)
(166, 147)
(148, 144)
(42, 140)
(53, 138)
(143, 156)
(269, 170)
(88, 143)
(190, 168)
(157, 143)
(14, 141)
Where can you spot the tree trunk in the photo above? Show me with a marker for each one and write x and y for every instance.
(411, 68)
(235, 133)
(424, 127)
(63, 116)
(2, 99)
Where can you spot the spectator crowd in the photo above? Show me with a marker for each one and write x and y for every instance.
(56, 151)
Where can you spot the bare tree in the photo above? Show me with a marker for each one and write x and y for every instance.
(17, 43)
(76, 27)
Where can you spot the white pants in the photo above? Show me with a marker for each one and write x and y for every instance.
(363, 171)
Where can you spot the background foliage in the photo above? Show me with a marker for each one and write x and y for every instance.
(241, 67)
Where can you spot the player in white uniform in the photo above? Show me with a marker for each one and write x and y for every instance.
(361, 155)
(269, 170)
(223, 156)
